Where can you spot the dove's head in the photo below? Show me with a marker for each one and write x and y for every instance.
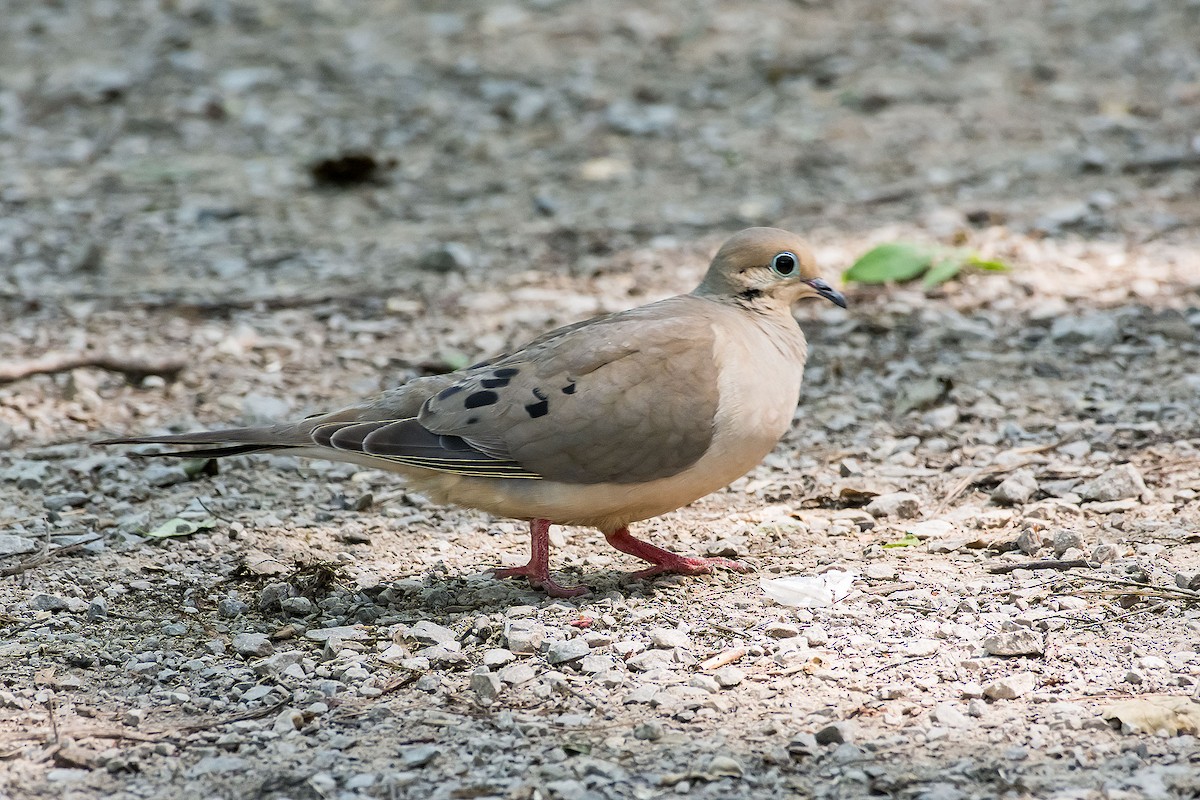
(765, 267)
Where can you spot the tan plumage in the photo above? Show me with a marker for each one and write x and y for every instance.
(601, 423)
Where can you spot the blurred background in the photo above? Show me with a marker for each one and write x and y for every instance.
(190, 148)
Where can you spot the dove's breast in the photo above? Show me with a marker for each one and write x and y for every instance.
(762, 361)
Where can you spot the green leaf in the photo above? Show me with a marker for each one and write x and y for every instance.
(983, 263)
(455, 359)
(181, 527)
(943, 270)
(889, 262)
(908, 541)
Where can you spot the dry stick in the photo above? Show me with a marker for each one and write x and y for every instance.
(724, 659)
(1153, 588)
(901, 663)
(150, 736)
(1052, 563)
(45, 554)
(132, 368)
(31, 562)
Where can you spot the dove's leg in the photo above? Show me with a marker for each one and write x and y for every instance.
(664, 561)
(537, 571)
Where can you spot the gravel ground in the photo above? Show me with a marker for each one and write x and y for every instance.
(307, 202)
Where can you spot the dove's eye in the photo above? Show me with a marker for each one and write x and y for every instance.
(784, 264)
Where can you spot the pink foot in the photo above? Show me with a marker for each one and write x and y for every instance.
(537, 571)
(540, 579)
(665, 562)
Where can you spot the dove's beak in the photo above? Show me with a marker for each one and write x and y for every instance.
(828, 292)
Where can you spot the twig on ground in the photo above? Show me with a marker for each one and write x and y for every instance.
(45, 554)
(257, 713)
(900, 663)
(1051, 563)
(1148, 588)
(31, 562)
(133, 369)
(724, 659)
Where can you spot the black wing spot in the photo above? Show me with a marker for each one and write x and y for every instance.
(494, 383)
(481, 399)
(569, 389)
(472, 420)
(535, 410)
(506, 372)
(449, 391)
(539, 394)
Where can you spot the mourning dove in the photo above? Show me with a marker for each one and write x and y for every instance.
(601, 423)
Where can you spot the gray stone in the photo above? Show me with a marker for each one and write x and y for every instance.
(803, 745)
(1066, 540)
(1022, 642)
(299, 606)
(524, 636)
(271, 597)
(940, 419)
(648, 731)
(567, 650)
(13, 545)
(486, 685)
(418, 755)
(288, 720)
(728, 677)
(48, 602)
(651, 659)
(231, 607)
(497, 657)
(594, 664)
(1030, 541)
(1118, 483)
(903, 505)
(517, 673)
(276, 663)
(782, 630)
(948, 714)
(669, 638)
(57, 502)
(428, 632)
(336, 632)
(835, 733)
(1016, 489)
(254, 645)
(165, 475)
(1011, 686)
(97, 610)
(1097, 328)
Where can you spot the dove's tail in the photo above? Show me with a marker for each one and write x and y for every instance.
(219, 443)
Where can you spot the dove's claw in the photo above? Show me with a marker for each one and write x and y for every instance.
(665, 562)
(537, 571)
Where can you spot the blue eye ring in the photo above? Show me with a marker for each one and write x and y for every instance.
(785, 264)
